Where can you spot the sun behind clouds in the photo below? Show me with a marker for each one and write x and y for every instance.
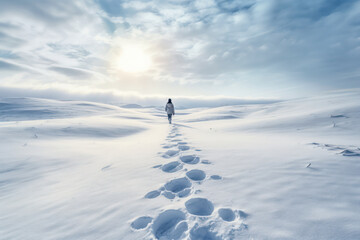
(133, 59)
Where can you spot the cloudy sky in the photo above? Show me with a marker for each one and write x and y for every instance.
(269, 49)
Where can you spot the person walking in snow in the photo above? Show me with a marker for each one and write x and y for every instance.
(170, 110)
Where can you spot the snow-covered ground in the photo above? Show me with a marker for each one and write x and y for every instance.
(82, 170)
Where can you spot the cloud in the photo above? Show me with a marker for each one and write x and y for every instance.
(71, 72)
(10, 41)
(7, 66)
(45, 11)
(251, 48)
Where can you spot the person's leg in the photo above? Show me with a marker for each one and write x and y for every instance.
(169, 118)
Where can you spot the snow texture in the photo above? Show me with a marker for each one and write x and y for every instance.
(83, 170)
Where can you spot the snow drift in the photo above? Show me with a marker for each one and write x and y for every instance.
(84, 170)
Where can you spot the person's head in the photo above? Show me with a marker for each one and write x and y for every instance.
(169, 101)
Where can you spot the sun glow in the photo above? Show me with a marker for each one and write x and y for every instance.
(133, 59)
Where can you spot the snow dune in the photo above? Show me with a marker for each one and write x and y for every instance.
(83, 170)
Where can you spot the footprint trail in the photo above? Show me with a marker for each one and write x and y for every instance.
(197, 218)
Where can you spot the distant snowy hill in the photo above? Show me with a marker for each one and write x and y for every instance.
(131, 106)
(84, 170)
(12, 109)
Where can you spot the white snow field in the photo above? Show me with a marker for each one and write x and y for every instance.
(83, 170)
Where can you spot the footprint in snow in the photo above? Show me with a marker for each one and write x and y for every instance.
(169, 146)
(170, 224)
(203, 232)
(216, 177)
(178, 185)
(170, 153)
(350, 153)
(229, 215)
(141, 222)
(171, 167)
(190, 159)
(205, 162)
(173, 135)
(226, 214)
(152, 194)
(168, 195)
(183, 147)
(199, 206)
(184, 193)
(214, 231)
(242, 214)
(196, 175)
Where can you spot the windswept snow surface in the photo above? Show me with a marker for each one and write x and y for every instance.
(83, 170)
